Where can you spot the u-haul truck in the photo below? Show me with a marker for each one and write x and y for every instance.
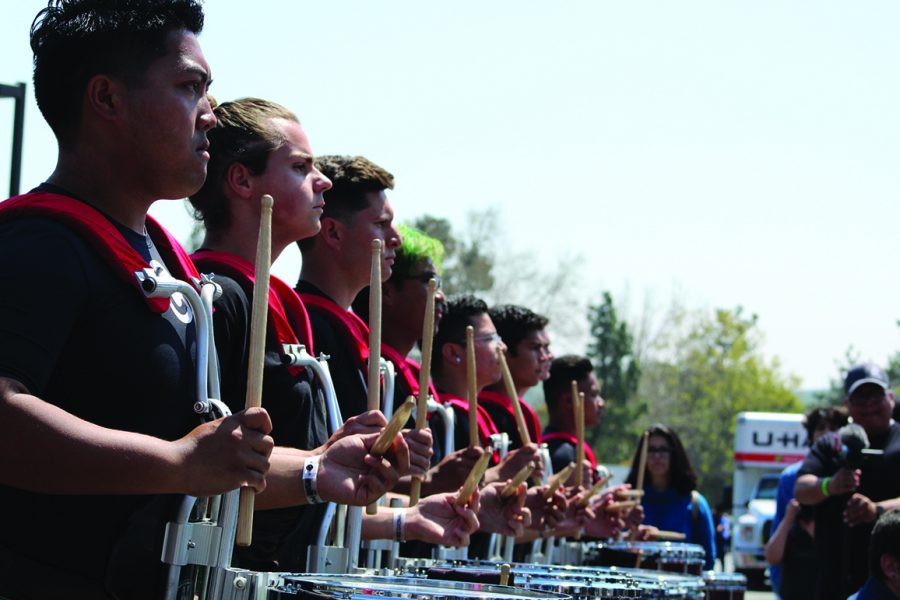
(764, 444)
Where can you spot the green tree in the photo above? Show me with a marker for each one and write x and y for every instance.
(618, 370)
(714, 370)
(469, 260)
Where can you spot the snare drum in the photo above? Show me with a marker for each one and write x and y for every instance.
(724, 586)
(312, 586)
(674, 557)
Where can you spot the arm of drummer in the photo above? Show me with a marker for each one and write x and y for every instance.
(348, 472)
(420, 450)
(434, 520)
(68, 455)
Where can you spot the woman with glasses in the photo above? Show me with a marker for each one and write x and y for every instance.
(671, 501)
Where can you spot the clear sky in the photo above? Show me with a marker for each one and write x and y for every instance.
(724, 153)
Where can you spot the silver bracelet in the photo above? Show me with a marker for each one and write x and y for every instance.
(399, 525)
(310, 471)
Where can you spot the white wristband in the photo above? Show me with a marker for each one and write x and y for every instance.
(310, 471)
(399, 525)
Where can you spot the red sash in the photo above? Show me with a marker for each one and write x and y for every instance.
(410, 370)
(486, 425)
(352, 326)
(99, 232)
(287, 316)
(569, 437)
(503, 401)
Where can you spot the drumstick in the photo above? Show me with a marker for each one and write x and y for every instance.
(620, 506)
(472, 387)
(398, 420)
(465, 493)
(415, 488)
(374, 379)
(579, 434)
(629, 493)
(643, 461)
(520, 477)
(673, 536)
(513, 397)
(559, 479)
(258, 315)
(504, 574)
(593, 491)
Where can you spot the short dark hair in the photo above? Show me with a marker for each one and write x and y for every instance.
(885, 539)
(460, 312)
(75, 40)
(682, 477)
(564, 370)
(514, 323)
(836, 417)
(244, 134)
(352, 177)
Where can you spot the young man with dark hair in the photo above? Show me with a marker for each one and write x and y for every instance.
(849, 498)
(99, 389)
(559, 435)
(528, 358)
(337, 266)
(884, 560)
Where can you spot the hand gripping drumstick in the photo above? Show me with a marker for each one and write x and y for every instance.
(593, 491)
(465, 494)
(559, 479)
(415, 489)
(471, 387)
(513, 397)
(398, 420)
(520, 477)
(374, 378)
(258, 315)
(579, 433)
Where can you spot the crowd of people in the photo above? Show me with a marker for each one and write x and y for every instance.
(98, 385)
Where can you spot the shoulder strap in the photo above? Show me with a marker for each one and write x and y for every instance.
(352, 326)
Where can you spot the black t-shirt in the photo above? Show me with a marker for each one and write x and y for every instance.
(562, 452)
(80, 338)
(798, 565)
(842, 551)
(296, 406)
(333, 340)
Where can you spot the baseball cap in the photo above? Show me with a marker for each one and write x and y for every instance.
(863, 374)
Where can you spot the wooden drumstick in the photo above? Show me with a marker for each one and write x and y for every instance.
(374, 374)
(472, 387)
(620, 506)
(513, 397)
(579, 434)
(593, 491)
(374, 379)
(465, 494)
(519, 478)
(642, 464)
(398, 420)
(258, 314)
(415, 488)
(504, 574)
(629, 493)
(558, 480)
(672, 536)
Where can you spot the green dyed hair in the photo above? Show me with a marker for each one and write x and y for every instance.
(417, 246)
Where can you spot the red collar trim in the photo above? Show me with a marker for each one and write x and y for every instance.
(569, 437)
(409, 368)
(503, 401)
(352, 326)
(97, 230)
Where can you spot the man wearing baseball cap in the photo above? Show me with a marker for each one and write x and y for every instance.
(849, 498)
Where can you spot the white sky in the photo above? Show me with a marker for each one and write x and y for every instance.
(726, 153)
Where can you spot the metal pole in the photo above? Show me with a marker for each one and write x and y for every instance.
(15, 172)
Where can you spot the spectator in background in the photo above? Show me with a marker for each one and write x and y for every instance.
(818, 422)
